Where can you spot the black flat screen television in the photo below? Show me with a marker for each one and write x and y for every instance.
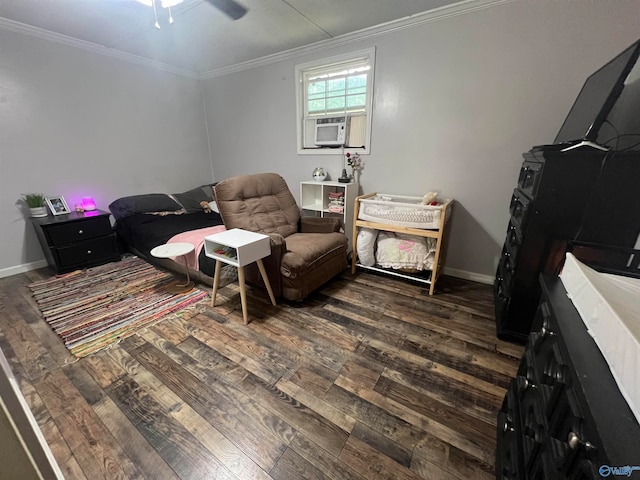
(596, 99)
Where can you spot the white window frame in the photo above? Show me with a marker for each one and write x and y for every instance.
(301, 106)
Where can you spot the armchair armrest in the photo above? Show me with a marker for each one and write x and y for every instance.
(320, 225)
(277, 241)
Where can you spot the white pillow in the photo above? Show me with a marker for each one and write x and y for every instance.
(214, 206)
(366, 243)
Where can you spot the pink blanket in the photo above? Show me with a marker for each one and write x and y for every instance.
(196, 238)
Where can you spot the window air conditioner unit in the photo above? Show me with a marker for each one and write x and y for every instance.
(331, 131)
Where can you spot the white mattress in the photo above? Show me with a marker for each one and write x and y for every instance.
(610, 308)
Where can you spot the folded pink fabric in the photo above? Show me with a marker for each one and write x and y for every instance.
(196, 238)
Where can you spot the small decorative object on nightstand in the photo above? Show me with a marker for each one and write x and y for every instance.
(239, 248)
(36, 204)
(88, 204)
(77, 240)
(58, 205)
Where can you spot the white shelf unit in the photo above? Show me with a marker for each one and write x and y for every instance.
(237, 247)
(314, 198)
(441, 235)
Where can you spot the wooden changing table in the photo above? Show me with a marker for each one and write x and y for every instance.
(441, 236)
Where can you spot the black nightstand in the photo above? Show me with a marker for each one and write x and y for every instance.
(77, 240)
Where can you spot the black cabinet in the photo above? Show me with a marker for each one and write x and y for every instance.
(581, 195)
(563, 416)
(77, 240)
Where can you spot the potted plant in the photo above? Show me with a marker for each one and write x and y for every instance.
(36, 203)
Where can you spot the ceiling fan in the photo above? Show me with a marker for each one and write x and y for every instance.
(230, 7)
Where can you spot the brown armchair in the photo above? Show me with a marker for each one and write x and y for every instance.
(305, 251)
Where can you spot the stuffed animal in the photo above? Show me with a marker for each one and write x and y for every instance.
(430, 198)
(205, 206)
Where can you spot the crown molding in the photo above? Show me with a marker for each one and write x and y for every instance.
(441, 13)
(461, 8)
(17, 27)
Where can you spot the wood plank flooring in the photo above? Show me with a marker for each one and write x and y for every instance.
(369, 378)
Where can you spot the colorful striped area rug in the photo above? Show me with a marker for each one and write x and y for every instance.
(94, 308)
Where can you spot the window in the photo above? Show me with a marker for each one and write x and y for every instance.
(339, 88)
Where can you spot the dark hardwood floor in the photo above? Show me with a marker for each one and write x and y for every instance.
(369, 378)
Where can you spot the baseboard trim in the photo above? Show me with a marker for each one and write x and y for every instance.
(25, 267)
(474, 277)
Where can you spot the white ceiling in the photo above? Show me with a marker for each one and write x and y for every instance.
(202, 38)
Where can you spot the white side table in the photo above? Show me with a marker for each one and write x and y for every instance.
(178, 249)
(238, 247)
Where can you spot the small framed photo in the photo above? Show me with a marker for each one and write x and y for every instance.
(57, 205)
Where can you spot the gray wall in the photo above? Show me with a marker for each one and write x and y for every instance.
(74, 123)
(456, 102)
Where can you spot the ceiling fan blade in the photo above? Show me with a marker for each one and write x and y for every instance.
(230, 7)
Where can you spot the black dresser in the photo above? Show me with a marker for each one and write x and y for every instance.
(563, 416)
(77, 240)
(583, 195)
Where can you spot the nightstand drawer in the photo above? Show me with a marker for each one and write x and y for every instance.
(87, 252)
(78, 231)
(77, 240)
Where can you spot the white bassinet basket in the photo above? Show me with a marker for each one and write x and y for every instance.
(401, 211)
